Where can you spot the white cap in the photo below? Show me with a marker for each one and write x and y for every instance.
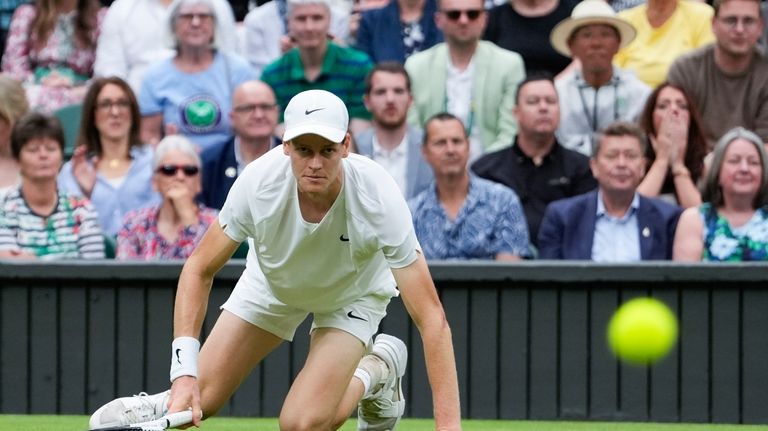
(316, 112)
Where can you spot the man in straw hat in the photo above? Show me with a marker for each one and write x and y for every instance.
(599, 93)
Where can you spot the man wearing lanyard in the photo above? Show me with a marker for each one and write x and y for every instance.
(598, 93)
(472, 79)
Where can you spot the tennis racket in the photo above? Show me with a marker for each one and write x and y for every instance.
(168, 421)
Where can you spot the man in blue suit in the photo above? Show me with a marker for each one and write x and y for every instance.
(613, 223)
(391, 141)
(254, 118)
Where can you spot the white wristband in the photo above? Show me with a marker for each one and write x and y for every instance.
(184, 351)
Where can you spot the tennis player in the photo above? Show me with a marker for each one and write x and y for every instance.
(331, 236)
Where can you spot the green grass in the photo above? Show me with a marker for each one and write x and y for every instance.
(80, 423)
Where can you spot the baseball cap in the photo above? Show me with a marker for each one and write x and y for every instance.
(316, 112)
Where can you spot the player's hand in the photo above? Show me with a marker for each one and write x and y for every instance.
(185, 394)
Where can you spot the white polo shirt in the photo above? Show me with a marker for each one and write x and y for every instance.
(320, 267)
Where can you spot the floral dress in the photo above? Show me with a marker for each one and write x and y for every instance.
(61, 53)
(724, 243)
(139, 238)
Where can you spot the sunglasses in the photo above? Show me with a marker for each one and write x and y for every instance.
(170, 170)
(455, 14)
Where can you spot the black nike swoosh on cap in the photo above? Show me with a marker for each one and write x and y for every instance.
(309, 111)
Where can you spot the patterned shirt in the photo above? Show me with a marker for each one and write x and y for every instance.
(6, 11)
(725, 243)
(70, 232)
(139, 238)
(490, 222)
(343, 74)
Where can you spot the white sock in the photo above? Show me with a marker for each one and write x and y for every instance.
(365, 378)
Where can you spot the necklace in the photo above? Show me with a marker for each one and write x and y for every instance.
(114, 163)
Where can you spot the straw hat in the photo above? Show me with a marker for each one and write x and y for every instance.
(585, 13)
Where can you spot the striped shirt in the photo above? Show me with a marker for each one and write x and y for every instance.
(70, 232)
(343, 74)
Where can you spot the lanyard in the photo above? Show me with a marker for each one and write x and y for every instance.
(592, 120)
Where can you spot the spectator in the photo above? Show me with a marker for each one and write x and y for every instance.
(732, 223)
(729, 80)
(524, 26)
(254, 118)
(110, 166)
(461, 216)
(317, 63)
(13, 105)
(537, 167)
(130, 37)
(472, 79)
(399, 29)
(51, 49)
(675, 158)
(392, 142)
(37, 219)
(666, 29)
(614, 223)
(190, 93)
(598, 93)
(7, 7)
(266, 32)
(172, 229)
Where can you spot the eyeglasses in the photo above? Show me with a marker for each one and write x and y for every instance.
(748, 22)
(455, 14)
(107, 105)
(247, 109)
(191, 16)
(170, 170)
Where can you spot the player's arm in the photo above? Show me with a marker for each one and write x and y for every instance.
(421, 300)
(213, 251)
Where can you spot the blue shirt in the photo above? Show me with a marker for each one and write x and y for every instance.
(112, 203)
(197, 103)
(616, 239)
(490, 222)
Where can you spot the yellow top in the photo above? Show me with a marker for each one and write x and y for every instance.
(654, 49)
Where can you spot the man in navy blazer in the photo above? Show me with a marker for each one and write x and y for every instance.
(254, 118)
(391, 141)
(613, 223)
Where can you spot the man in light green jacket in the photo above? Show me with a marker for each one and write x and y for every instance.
(472, 79)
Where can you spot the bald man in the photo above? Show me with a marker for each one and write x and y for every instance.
(254, 118)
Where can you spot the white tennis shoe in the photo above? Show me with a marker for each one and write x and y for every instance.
(383, 408)
(130, 410)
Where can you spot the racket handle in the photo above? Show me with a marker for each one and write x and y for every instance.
(179, 418)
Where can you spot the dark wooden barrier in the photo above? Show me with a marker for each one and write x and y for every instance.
(529, 337)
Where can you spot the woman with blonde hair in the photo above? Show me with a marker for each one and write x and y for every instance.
(51, 48)
(13, 105)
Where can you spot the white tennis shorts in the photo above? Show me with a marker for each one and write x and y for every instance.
(255, 303)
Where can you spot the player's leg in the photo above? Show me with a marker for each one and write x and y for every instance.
(319, 390)
(231, 351)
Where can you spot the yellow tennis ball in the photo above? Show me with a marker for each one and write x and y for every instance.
(642, 331)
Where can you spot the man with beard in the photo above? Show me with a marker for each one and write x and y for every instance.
(391, 142)
(729, 79)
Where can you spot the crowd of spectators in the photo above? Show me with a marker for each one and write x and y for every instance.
(620, 130)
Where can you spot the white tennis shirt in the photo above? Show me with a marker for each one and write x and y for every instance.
(320, 267)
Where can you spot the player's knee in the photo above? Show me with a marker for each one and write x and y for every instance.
(305, 422)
